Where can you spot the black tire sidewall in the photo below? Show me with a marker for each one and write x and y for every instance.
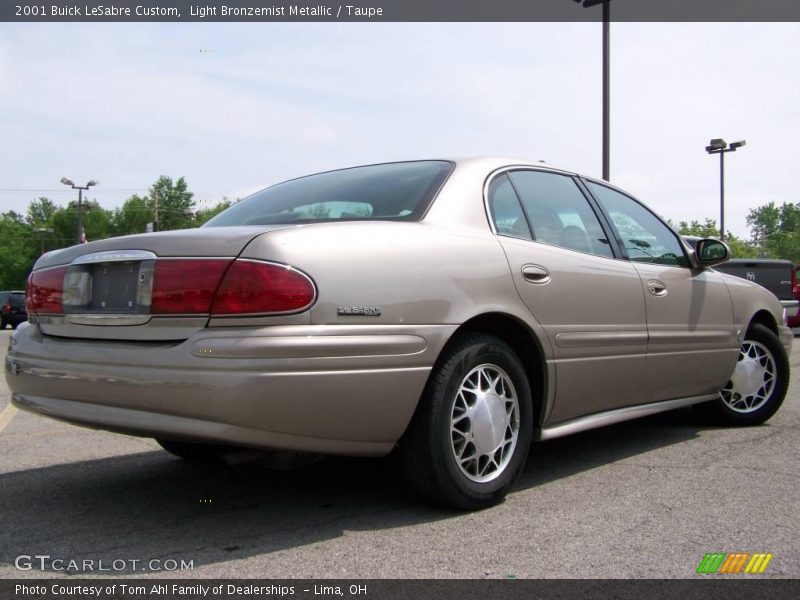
(764, 336)
(473, 352)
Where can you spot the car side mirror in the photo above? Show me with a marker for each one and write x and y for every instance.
(709, 252)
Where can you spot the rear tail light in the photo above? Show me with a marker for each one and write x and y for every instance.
(187, 287)
(795, 284)
(7, 308)
(44, 291)
(253, 287)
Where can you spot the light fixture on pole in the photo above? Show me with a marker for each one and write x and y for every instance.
(721, 147)
(79, 237)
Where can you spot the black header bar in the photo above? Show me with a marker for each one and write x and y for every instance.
(398, 10)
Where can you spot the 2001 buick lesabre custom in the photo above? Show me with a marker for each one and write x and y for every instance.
(451, 310)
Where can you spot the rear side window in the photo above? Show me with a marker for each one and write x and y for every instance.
(559, 212)
(507, 215)
(392, 191)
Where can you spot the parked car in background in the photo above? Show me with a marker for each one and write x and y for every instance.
(451, 311)
(794, 321)
(778, 276)
(12, 308)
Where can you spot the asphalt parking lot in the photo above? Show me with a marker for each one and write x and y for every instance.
(646, 498)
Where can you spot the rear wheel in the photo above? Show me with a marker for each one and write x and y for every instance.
(469, 439)
(758, 385)
(191, 451)
(2, 323)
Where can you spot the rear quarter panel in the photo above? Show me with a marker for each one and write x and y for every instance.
(414, 273)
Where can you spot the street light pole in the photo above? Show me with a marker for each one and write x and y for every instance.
(79, 236)
(606, 82)
(722, 196)
(721, 147)
(606, 89)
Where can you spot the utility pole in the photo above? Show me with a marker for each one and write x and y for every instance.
(155, 210)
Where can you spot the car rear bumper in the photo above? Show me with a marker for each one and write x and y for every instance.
(792, 307)
(326, 389)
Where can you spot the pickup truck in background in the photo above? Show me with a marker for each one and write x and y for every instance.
(778, 276)
(794, 321)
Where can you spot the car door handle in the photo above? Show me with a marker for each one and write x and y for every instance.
(535, 274)
(657, 288)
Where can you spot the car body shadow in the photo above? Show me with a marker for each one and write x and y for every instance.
(151, 505)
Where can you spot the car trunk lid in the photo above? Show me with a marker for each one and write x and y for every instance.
(105, 289)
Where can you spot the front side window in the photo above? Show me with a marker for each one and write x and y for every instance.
(644, 237)
(392, 191)
(559, 213)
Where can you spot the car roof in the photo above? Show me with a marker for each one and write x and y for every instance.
(496, 162)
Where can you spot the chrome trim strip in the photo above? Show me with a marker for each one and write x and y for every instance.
(113, 256)
(698, 336)
(601, 339)
(309, 346)
(79, 319)
(790, 303)
(618, 416)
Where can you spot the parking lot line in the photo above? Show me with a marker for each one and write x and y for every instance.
(7, 415)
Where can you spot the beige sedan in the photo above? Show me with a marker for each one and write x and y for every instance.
(450, 311)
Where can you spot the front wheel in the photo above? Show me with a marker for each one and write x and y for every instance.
(470, 436)
(758, 385)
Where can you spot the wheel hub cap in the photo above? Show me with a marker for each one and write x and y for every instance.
(484, 423)
(489, 422)
(748, 376)
(753, 379)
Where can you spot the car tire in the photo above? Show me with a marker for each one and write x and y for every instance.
(2, 323)
(190, 451)
(469, 438)
(758, 385)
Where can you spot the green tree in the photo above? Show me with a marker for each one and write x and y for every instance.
(18, 251)
(132, 217)
(41, 212)
(204, 215)
(172, 202)
(776, 230)
(708, 229)
(96, 223)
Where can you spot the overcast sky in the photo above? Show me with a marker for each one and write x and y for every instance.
(236, 107)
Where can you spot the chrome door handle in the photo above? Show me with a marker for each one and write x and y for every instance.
(535, 274)
(657, 288)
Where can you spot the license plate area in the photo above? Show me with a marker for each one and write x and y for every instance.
(113, 287)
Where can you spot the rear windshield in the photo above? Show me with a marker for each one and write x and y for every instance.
(391, 191)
